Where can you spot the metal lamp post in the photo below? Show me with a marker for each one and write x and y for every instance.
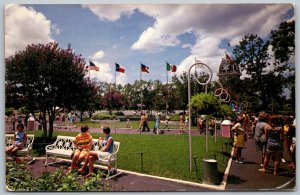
(199, 65)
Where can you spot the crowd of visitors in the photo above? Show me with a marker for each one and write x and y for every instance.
(272, 133)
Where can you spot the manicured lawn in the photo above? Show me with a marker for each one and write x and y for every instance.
(162, 155)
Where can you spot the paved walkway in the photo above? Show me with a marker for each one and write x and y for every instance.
(246, 177)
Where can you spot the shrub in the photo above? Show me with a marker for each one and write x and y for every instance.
(20, 179)
(9, 111)
(174, 117)
(103, 116)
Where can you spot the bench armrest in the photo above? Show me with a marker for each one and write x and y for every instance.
(112, 157)
(30, 146)
(50, 147)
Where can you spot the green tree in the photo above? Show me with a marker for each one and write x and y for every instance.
(181, 87)
(113, 100)
(48, 79)
(283, 42)
(205, 103)
(252, 55)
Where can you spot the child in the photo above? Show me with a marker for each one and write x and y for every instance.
(106, 150)
(83, 143)
(20, 138)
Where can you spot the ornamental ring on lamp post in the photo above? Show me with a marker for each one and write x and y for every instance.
(200, 65)
(220, 91)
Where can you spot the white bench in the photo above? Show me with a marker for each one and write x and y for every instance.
(9, 140)
(63, 148)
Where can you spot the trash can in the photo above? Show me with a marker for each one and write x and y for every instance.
(225, 128)
(31, 121)
(210, 171)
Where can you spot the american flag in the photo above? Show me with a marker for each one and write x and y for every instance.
(93, 66)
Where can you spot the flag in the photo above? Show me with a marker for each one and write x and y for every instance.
(119, 69)
(172, 68)
(168, 67)
(93, 66)
(144, 68)
(228, 57)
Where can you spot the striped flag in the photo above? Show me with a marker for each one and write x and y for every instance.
(144, 68)
(172, 68)
(93, 66)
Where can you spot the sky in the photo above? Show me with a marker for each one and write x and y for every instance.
(151, 34)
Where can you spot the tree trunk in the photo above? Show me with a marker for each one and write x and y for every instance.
(51, 121)
(44, 123)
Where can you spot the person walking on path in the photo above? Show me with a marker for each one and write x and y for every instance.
(156, 125)
(186, 121)
(289, 133)
(274, 136)
(141, 121)
(106, 150)
(239, 141)
(260, 137)
(181, 123)
(144, 120)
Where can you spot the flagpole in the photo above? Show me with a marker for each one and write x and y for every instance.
(89, 74)
(167, 89)
(115, 79)
(167, 72)
(141, 89)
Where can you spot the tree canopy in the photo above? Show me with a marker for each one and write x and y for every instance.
(48, 79)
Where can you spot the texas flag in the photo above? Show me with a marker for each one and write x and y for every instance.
(119, 69)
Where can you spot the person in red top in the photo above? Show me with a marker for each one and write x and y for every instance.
(83, 142)
(181, 123)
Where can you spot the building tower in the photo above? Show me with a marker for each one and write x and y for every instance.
(229, 75)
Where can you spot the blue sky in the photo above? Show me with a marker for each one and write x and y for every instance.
(141, 33)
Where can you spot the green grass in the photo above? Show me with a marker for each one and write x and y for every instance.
(163, 155)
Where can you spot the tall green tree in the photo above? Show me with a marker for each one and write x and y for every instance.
(283, 42)
(253, 57)
(181, 86)
(47, 79)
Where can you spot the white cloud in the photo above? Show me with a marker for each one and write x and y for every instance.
(55, 29)
(98, 55)
(186, 45)
(207, 21)
(24, 26)
(151, 41)
(106, 73)
(110, 12)
(121, 78)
